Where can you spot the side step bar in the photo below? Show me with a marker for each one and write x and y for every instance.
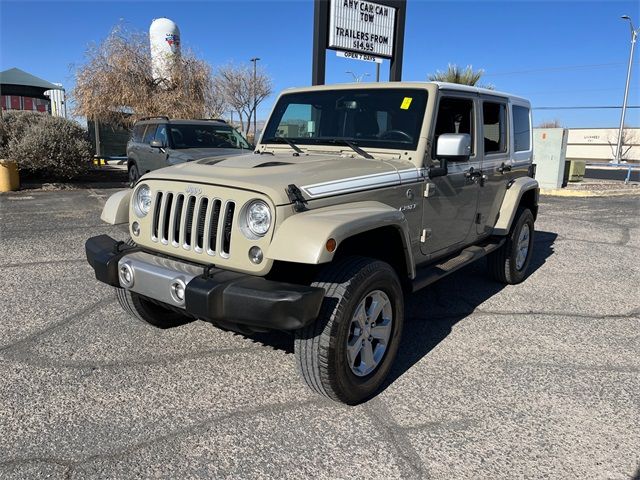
(427, 275)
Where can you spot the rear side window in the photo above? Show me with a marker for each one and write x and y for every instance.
(521, 128)
(149, 134)
(494, 127)
(138, 133)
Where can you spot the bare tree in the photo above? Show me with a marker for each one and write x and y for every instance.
(550, 124)
(237, 87)
(116, 79)
(629, 139)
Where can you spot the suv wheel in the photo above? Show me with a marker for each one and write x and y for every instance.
(510, 262)
(348, 351)
(134, 174)
(147, 311)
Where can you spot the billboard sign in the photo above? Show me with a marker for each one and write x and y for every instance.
(362, 27)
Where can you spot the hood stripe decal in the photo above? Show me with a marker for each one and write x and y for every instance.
(363, 182)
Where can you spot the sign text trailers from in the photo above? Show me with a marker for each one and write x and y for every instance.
(359, 26)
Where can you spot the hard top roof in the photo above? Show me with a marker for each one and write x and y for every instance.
(425, 85)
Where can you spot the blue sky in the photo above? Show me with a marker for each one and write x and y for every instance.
(555, 53)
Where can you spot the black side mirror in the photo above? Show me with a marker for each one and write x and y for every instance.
(440, 171)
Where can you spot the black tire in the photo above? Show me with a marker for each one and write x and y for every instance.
(134, 174)
(147, 311)
(321, 348)
(502, 263)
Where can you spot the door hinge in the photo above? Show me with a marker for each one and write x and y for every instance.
(478, 218)
(426, 233)
(429, 189)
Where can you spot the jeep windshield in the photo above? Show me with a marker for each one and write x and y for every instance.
(389, 118)
(206, 136)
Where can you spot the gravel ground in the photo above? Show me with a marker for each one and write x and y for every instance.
(536, 380)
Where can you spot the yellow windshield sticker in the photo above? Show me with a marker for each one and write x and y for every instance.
(406, 103)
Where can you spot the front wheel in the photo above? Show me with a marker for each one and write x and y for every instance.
(510, 262)
(347, 353)
(134, 175)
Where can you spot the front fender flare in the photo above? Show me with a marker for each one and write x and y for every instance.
(511, 202)
(116, 210)
(302, 238)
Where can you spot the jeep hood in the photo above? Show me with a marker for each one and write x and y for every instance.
(271, 174)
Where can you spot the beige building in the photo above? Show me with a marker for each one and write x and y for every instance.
(597, 145)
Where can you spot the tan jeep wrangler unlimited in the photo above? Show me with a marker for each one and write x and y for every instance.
(355, 195)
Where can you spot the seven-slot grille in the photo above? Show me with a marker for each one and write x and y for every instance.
(192, 222)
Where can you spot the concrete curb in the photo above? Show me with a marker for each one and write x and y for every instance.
(557, 192)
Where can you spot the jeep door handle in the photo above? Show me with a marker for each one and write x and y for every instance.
(504, 168)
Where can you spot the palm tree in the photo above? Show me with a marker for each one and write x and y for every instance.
(455, 74)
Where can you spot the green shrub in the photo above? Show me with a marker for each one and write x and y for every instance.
(44, 145)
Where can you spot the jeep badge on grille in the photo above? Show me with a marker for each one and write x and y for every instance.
(191, 190)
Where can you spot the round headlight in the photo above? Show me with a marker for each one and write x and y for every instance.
(258, 217)
(142, 200)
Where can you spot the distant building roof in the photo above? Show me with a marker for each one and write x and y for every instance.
(15, 76)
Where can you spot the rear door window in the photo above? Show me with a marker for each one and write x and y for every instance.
(494, 127)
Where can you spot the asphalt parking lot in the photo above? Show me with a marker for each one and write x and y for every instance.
(536, 380)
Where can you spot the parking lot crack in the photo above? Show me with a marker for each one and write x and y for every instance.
(393, 433)
(51, 328)
(200, 427)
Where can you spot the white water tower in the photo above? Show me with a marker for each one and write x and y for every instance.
(164, 39)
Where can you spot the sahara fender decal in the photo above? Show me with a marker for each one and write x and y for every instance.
(302, 237)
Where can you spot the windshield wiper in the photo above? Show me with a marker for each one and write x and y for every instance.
(288, 141)
(353, 147)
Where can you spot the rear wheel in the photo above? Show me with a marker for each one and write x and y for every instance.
(347, 353)
(509, 264)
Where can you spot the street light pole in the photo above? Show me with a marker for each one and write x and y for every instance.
(255, 98)
(358, 78)
(634, 37)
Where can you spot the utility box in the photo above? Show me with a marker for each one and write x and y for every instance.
(576, 170)
(549, 155)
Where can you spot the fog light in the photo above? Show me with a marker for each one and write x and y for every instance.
(177, 289)
(135, 228)
(126, 275)
(255, 255)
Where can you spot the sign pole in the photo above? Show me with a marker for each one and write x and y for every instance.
(395, 68)
(320, 40)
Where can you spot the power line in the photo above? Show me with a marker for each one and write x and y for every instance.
(553, 69)
(583, 108)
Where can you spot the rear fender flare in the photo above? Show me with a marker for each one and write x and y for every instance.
(511, 202)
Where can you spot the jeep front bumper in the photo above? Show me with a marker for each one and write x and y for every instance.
(209, 294)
